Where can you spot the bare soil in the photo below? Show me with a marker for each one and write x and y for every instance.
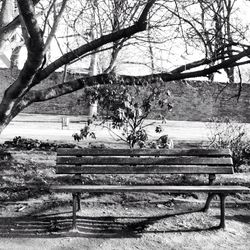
(116, 226)
(33, 218)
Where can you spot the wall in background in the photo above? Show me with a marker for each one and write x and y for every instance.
(192, 100)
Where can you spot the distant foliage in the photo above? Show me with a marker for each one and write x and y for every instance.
(228, 134)
(30, 144)
(4, 155)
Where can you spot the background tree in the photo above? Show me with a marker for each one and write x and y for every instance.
(211, 28)
(218, 29)
(6, 16)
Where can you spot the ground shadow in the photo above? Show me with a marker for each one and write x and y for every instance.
(244, 218)
(59, 224)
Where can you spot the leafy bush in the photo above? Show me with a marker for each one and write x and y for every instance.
(127, 107)
(228, 134)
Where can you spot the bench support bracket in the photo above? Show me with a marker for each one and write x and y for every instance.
(74, 227)
(78, 181)
(78, 201)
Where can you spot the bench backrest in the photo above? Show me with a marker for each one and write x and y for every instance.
(144, 161)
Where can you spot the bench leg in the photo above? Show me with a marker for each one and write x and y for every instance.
(74, 227)
(208, 201)
(78, 201)
(78, 181)
(222, 210)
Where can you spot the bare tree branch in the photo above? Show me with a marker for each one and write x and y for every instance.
(103, 79)
(139, 26)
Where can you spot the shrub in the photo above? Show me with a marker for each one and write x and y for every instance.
(225, 133)
(127, 108)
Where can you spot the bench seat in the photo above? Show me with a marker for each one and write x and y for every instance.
(148, 188)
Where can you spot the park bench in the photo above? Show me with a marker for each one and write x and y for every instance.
(146, 161)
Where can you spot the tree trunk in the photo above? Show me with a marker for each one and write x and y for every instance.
(6, 115)
(5, 119)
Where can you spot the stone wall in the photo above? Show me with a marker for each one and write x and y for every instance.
(203, 100)
(192, 100)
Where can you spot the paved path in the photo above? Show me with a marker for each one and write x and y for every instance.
(49, 127)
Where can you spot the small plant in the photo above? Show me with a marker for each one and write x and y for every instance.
(228, 134)
(162, 142)
(158, 129)
(85, 132)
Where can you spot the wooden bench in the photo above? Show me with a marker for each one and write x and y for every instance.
(146, 161)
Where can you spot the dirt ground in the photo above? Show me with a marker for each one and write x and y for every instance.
(115, 226)
(33, 218)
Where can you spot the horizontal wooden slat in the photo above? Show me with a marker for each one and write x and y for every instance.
(143, 152)
(169, 169)
(158, 189)
(180, 160)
